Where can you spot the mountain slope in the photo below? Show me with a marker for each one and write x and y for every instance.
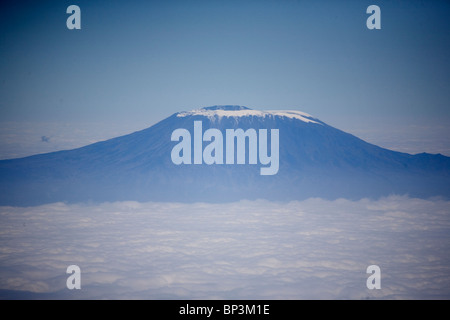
(315, 160)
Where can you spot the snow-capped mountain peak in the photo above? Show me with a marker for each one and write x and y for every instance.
(217, 112)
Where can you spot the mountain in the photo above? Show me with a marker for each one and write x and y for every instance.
(315, 160)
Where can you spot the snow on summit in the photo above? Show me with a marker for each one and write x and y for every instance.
(217, 112)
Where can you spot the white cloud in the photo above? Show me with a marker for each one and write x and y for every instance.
(314, 249)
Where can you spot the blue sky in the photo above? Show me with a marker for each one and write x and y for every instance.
(140, 61)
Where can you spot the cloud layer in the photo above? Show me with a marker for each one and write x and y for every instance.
(314, 249)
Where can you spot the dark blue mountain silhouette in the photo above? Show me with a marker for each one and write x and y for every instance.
(316, 160)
